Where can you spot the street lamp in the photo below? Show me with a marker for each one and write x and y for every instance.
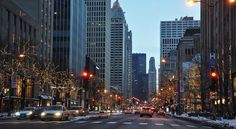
(21, 55)
(192, 2)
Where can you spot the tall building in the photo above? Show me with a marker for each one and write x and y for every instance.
(98, 36)
(46, 31)
(170, 33)
(120, 50)
(129, 63)
(139, 85)
(152, 77)
(218, 46)
(69, 35)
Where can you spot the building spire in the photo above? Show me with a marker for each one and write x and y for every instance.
(116, 4)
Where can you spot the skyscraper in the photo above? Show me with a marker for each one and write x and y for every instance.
(69, 36)
(46, 31)
(120, 40)
(170, 33)
(140, 78)
(152, 77)
(98, 36)
(129, 63)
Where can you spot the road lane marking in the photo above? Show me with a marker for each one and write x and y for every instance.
(13, 122)
(207, 127)
(191, 126)
(81, 122)
(143, 123)
(158, 124)
(174, 125)
(127, 123)
(96, 122)
(112, 122)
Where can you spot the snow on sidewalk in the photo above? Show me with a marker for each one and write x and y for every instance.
(222, 123)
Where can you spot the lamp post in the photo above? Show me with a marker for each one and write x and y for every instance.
(24, 83)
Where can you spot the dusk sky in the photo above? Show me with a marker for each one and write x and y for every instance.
(144, 16)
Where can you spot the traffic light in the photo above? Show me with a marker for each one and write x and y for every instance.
(213, 85)
(213, 75)
(214, 78)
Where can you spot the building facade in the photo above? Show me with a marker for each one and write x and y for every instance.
(139, 85)
(170, 33)
(152, 86)
(26, 35)
(188, 71)
(218, 46)
(69, 35)
(120, 50)
(46, 31)
(98, 36)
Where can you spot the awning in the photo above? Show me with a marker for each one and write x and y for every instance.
(46, 97)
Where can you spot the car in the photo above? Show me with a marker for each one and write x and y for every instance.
(39, 110)
(127, 111)
(137, 111)
(78, 111)
(146, 111)
(161, 112)
(26, 113)
(55, 112)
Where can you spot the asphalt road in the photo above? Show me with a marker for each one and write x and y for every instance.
(114, 122)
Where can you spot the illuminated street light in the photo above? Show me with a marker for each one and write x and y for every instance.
(22, 55)
(232, 1)
(163, 60)
(105, 91)
(192, 2)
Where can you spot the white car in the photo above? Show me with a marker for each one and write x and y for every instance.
(55, 112)
(26, 113)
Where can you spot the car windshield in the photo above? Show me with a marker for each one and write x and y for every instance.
(28, 109)
(75, 108)
(55, 108)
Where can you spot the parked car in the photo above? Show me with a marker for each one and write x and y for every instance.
(55, 112)
(26, 113)
(146, 111)
(78, 111)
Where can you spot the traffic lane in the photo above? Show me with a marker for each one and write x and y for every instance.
(113, 122)
(135, 122)
(37, 124)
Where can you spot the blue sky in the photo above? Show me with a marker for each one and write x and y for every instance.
(144, 16)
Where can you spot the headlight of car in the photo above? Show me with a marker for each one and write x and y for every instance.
(30, 113)
(58, 114)
(17, 114)
(43, 114)
(77, 111)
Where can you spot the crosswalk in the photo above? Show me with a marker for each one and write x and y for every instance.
(141, 124)
(108, 123)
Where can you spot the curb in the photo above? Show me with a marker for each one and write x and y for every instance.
(206, 123)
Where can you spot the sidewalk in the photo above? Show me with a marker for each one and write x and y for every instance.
(219, 124)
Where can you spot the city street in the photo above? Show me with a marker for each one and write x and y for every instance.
(113, 122)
